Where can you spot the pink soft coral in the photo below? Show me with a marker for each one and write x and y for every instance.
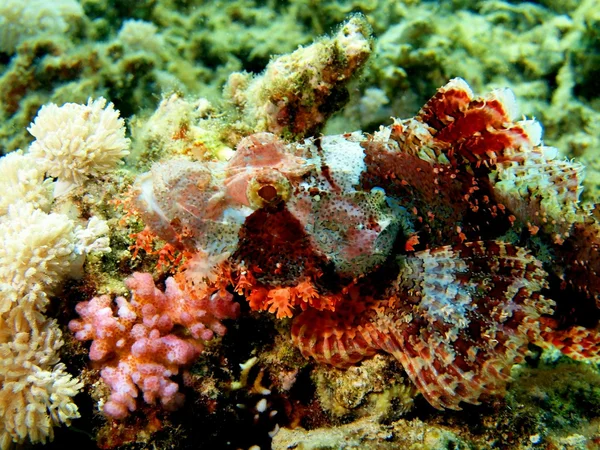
(137, 344)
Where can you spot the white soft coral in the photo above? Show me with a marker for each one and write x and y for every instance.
(76, 141)
(22, 181)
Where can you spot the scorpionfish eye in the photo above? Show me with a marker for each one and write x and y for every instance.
(268, 187)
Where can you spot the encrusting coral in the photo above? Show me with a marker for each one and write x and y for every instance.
(298, 92)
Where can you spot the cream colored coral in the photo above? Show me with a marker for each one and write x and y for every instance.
(21, 180)
(93, 238)
(75, 141)
(139, 35)
(36, 392)
(38, 250)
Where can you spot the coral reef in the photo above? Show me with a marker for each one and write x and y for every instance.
(193, 47)
(39, 250)
(309, 227)
(372, 283)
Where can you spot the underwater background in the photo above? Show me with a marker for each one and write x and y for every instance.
(119, 118)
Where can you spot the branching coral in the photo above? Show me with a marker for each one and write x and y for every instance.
(139, 345)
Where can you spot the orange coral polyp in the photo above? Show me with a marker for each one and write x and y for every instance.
(282, 301)
(144, 240)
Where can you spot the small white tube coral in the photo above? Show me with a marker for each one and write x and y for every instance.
(21, 180)
(78, 141)
(37, 251)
